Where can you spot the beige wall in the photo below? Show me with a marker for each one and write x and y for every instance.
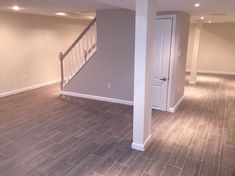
(29, 48)
(217, 48)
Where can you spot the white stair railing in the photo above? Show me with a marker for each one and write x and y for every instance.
(78, 53)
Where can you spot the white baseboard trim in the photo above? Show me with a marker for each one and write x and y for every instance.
(214, 72)
(99, 98)
(25, 89)
(112, 100)
(141, 147)
(172, 110)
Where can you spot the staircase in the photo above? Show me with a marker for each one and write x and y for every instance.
(78, 54)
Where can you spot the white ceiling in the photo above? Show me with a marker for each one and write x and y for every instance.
(225, 9)
(74, 8)
(214, 10)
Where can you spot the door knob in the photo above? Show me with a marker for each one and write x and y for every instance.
(163, 79)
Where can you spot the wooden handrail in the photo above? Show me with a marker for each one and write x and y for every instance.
(78, 39)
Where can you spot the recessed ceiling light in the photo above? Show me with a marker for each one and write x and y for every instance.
(202, 18)
(15, 7)
(210, 21)
(61, 13)
(196, 4)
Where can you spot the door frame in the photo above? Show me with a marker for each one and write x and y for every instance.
(172, 56)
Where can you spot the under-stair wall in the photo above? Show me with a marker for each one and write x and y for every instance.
(109, 73)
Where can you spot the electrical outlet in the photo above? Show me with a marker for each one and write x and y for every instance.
(178, 88)
(109, 85)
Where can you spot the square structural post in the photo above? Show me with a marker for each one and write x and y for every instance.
(143, 81)
(195, 57)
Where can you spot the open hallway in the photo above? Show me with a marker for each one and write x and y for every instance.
(42, 134)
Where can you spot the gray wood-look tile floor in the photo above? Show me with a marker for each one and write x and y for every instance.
(43, 134)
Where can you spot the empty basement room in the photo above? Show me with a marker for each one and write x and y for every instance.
(117, 88)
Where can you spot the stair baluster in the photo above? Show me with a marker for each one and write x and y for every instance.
(78, 54)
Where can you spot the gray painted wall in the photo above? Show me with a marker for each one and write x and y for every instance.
(180, 57)
(114, 60)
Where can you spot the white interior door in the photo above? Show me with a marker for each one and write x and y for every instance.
(162, 63)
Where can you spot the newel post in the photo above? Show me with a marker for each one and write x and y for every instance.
(61, 70)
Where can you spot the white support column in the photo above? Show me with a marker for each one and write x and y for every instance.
(194, 64)
(143, 82)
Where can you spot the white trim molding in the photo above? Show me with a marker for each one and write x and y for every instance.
(112, 100)
(214, 72)
(141, 147)
(99, 98)
(173, 55)
(25, 89)
(174, 109)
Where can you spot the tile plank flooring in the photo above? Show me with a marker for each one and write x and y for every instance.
(44, 134)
